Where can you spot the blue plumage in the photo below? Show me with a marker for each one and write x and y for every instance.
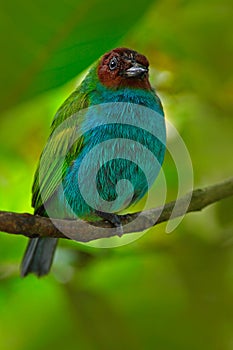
(101, 130)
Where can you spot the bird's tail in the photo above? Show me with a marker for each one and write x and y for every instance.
(38, 256)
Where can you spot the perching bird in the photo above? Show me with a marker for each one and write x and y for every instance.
(119, 80)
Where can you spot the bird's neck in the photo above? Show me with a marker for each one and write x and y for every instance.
(146, 98)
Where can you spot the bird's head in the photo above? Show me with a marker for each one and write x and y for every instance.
(123, 67)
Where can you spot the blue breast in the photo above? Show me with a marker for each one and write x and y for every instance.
(123, 149)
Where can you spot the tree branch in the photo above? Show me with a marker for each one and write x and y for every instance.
(35, 226)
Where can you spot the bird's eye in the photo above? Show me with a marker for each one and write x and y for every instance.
(113, 63)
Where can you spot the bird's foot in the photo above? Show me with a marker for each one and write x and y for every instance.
(114, 220)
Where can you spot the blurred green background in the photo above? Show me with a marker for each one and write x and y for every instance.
(164, 291)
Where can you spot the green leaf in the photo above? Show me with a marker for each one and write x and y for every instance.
(46, 43)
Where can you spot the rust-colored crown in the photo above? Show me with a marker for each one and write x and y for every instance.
(123, 67)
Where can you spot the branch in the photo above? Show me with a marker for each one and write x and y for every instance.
(38, 226)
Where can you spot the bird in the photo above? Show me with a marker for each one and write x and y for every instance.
(119, 79)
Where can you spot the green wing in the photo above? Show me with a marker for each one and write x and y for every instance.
(60, 149)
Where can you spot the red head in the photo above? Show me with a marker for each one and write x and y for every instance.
(123, 67)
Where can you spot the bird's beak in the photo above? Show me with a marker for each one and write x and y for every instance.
(137, 70)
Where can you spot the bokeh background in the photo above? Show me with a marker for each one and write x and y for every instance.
(164, 291)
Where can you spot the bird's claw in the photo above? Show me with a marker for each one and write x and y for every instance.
(119, 230)
(114, 220)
